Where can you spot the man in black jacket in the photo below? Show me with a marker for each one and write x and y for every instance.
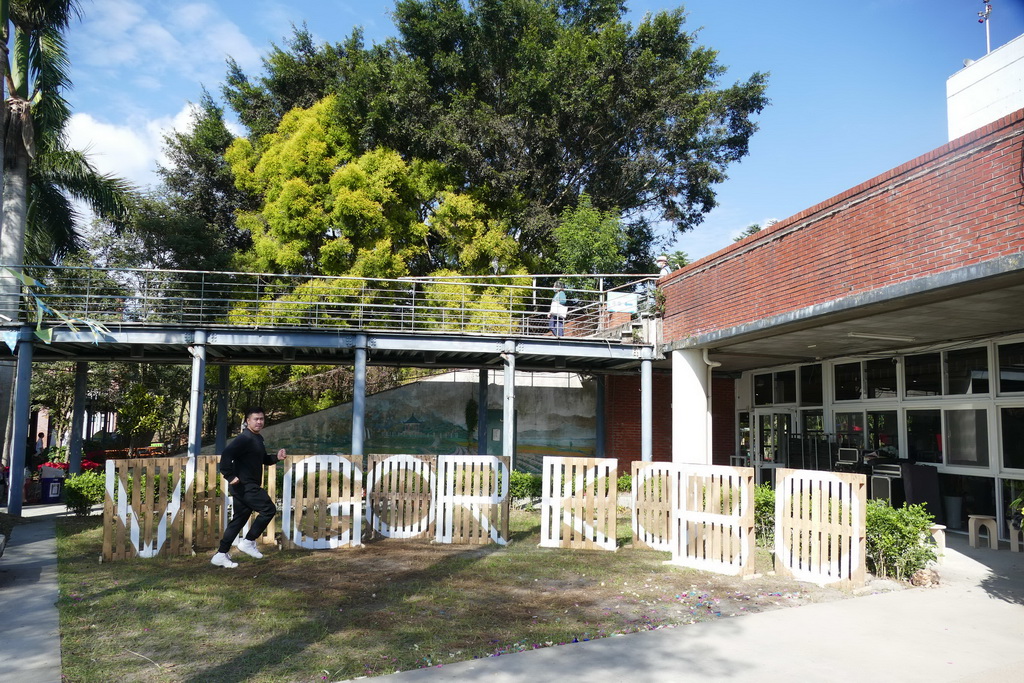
(241, 464)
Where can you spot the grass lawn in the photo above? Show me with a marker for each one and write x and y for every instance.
(390, 606)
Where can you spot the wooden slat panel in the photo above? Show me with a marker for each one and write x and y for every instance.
(713, 518)
(399, 497)
(652, 504)
(322, 501)
(472, 499)
(820, 526)
(578, 503)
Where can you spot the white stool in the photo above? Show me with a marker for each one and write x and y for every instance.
(938, 532)
(975, 523)
(1015, 538)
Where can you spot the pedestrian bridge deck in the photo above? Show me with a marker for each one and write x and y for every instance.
(156, 315)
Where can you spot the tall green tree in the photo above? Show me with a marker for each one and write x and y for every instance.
(198, 184)
(589, 241)
(533, 103)
(327, 210)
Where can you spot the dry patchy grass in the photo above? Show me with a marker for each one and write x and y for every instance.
(390, 606)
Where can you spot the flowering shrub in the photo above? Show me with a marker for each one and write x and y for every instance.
(90, 466)
(54, 465)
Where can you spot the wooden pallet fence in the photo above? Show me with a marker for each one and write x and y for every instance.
(713, 519)
(578, 503)
(322, 502)
(820, 526)
(167, 507)
(652, 504)
(400, 496)
(472, 499)
(147, 509)
(209, 502)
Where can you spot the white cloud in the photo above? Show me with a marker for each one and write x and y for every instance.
(130, 151)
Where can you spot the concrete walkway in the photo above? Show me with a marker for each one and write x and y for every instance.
(969, 629)
(29, 624)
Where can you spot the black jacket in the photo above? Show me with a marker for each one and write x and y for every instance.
(244, 458)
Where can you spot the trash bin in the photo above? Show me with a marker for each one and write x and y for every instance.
(53, 489)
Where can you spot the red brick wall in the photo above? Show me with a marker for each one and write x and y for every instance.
(956, 206)
(723, 420)
(622, 418)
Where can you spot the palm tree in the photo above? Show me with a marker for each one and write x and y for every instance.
(42, 177)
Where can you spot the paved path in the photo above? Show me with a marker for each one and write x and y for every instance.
(29, 624)
(969, 629)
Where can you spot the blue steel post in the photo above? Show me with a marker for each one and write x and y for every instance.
(195, 411)
(77, 418)
(599, 445)
(359, 397)
(646, 406)
(222, 408)
(21, 416)
(508, 431)
(481, 414)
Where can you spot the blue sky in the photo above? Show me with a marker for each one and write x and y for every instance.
(856, 88)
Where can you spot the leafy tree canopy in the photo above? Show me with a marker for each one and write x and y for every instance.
(530, 104)
(588, 240)
(329, 211)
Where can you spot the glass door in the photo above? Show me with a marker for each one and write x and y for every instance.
(771, 442)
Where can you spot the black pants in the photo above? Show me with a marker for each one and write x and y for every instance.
(248, 498)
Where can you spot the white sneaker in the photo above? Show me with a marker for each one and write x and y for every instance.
(223, 560)
(249, 548)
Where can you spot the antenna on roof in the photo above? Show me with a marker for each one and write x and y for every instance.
(983, 18)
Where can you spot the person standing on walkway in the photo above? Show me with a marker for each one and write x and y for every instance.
(241, 464)
(558, 311)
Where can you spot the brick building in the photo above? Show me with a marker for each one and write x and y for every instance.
(887, 320)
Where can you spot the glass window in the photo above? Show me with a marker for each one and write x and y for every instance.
(967, 371)
(850, 430)
(880, 378)
(924, 435)
(1011, 367)
(811, 393)
(922, 374)
(785, 386)
(744, 423)
(812, 421)
(967, 437)
(1012, 427)
(883, 432)
(763, 390)
(847, 381)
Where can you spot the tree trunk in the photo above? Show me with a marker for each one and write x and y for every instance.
(12, 253)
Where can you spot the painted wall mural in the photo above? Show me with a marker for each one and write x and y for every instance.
(429, 417)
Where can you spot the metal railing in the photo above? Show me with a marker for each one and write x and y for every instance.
(599, 305)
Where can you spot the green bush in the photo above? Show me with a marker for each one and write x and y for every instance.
(82, 491)
(898, 539)
(764, 515)
(524, 485)
(625, 483)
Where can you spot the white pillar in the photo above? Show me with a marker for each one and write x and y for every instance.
(691, 408)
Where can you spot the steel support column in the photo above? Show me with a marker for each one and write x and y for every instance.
(599, 445)
(195, 410)
(359, 397)
(21, 416)
(481, 414)
(646, 408)
(78, 418)
(222, 408)
(508, 431)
